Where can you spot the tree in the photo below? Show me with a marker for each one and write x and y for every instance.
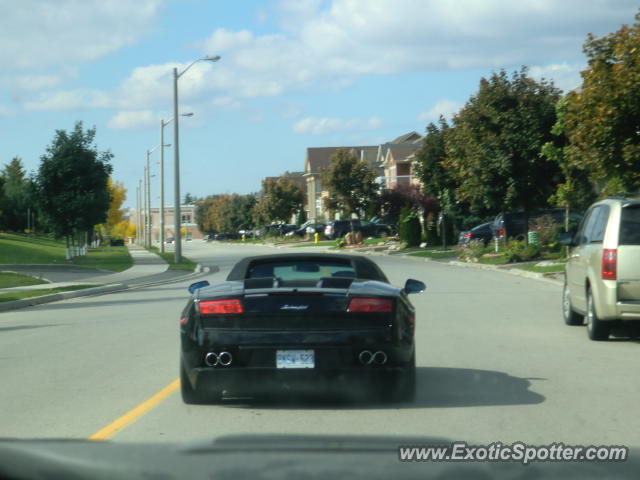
(72, 183)
(603, 116)
(493, 148)
(115, 214)
(281, 198)
(351, 184)
(190, 199)
(225, 213)
(17, 204)
(575, 191)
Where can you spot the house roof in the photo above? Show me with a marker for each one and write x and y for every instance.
(410, 137)
(400, 153)
(319, 157)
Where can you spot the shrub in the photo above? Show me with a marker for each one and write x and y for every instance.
(471, 252)
(546, 228)
(410, 229)
(517, 251)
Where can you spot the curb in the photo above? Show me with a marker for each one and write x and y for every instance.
(102, 290)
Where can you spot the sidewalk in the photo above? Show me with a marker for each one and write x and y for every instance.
(145, 264)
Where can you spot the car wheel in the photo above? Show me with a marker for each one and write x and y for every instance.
(192, 396)
(596, 328)
(570, 317)
(383, 234)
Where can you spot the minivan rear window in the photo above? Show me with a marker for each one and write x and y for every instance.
(630, 225)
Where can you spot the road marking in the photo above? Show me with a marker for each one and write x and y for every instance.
(132, 415)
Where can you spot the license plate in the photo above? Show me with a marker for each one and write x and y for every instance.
(295, 359)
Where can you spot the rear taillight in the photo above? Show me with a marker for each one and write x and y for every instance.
(467, 235)
(220, 307)
(501, 232)
(609, 263)
(370, 305)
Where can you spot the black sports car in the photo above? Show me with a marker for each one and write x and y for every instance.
(298, 320)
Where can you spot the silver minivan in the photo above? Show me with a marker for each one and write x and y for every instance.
(602, 281)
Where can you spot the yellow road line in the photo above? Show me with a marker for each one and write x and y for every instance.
(133, 415)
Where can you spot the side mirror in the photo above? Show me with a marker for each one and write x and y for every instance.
(414, 286)
(567, 239)
(195, 286)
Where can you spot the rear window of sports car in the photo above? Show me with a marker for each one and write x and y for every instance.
(301, 270)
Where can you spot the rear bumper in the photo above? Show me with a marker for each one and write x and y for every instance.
(609, 308)
(250, 380)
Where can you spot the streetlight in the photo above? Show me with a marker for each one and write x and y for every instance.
(176, 155)
(162, 125)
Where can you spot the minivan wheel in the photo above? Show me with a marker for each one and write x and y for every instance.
(596, 328)
(570, 317)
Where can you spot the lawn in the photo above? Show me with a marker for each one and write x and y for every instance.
(169, 257)
(9, 297)
(41, 249)
(10, 279)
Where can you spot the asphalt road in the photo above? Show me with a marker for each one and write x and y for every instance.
(495, 363)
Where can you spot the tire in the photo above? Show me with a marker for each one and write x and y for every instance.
(596, 328)
(383, 234)
(570, 317)
(192, 396)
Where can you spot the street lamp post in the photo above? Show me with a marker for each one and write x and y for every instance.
(138, 213)
(176, 156)
(162, 125)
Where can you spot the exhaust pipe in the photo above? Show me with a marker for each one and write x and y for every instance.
(365, 357)
(225, 359)
(379, 358)
(211, 359)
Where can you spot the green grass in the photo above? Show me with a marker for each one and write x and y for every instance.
(10, 279)
(549, 269)
(434, 254)
(42, 249)
(30, 249)
(115, 259)
(9, 297)
(169, 257)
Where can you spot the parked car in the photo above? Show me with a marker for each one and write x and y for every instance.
(169, 241)
(339, 228)
(512, 224)
(381, 221)
(480, 232)
(226, 236)
(603, 269)
(116, 242)
(307, 228)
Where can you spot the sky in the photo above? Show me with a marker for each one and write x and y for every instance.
(293, 74)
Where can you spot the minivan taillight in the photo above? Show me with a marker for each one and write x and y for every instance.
(370, 305)
(501, 232)
(609, 263)
(220, 307)
(467, 235)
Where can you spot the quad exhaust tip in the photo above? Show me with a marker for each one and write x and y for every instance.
(213, 359)
(366, 357)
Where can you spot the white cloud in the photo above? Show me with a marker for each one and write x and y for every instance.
(329, 45)
(70, 100)
(324, 125)
(133, 119)
(442, 107)
(36, 34)
(564, 76)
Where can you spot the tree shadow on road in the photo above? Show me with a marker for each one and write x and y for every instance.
(437, 387)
